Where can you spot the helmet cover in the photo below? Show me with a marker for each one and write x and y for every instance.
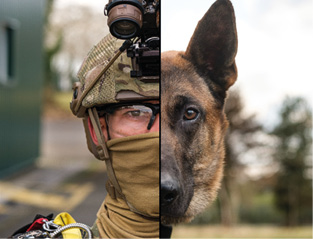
(115, 84)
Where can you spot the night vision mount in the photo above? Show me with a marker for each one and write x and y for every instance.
(138, 20)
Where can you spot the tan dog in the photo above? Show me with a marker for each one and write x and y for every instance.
(193, 123)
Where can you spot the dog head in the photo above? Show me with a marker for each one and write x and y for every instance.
(193, 91)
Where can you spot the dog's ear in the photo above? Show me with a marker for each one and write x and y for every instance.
(213, 46)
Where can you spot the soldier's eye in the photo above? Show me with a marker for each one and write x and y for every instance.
(190, 114)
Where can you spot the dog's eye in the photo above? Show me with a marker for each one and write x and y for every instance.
(190, 114)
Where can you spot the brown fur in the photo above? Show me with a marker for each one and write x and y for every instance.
(192, 151)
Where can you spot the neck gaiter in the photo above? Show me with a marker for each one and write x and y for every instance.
(135, 162)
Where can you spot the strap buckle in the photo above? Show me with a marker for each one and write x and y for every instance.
(103, 152)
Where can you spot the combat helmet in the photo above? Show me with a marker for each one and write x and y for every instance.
(104, 78)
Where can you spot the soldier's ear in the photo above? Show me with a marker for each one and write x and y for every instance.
(213, 46)
(93, 133)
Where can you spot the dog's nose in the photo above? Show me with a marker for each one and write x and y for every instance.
(169, 190)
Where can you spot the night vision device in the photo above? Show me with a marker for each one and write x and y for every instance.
(138, 20)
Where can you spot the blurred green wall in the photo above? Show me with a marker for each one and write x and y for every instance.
(21, 82)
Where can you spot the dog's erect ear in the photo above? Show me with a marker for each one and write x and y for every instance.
(213, 46)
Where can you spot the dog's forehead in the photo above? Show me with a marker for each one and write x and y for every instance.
(172, 61)
(179, 78)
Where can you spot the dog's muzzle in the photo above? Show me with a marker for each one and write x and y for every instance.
(170, 189)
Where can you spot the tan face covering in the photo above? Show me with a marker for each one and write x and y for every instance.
(135, 161)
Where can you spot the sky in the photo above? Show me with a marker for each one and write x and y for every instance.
(275, 49)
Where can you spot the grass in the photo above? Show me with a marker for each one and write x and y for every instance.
(57, 105)
(63, 99)
(241, 231)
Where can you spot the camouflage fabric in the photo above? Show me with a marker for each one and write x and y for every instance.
(115, 79)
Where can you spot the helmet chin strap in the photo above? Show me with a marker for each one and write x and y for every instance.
(103, 152)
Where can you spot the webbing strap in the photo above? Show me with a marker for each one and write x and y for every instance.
(103, 150)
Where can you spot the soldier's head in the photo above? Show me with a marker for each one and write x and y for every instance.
(117, 105)
(121, 120)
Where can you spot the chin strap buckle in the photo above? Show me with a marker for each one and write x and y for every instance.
(103, 152)
(110, 189)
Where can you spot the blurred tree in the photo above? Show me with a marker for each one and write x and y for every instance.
(71, 30)
(242, 137)
(293, 189)
(50, 50)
